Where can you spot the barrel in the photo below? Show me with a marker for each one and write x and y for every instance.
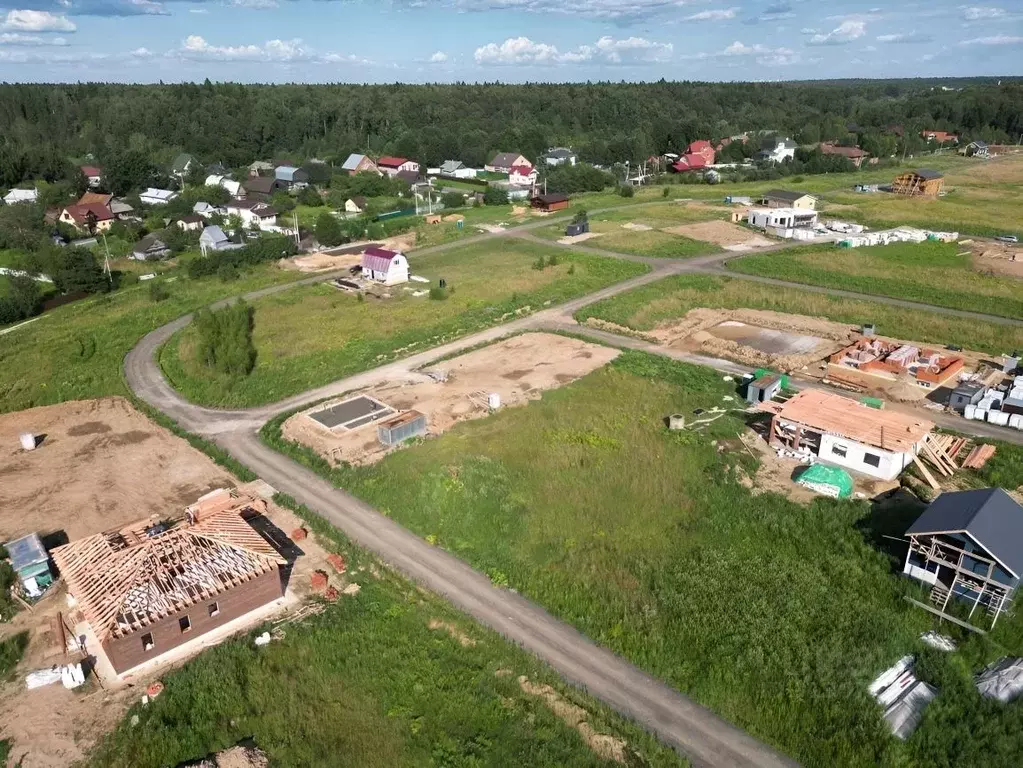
(28, 441)
(676, 421)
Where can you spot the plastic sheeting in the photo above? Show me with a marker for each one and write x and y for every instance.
(1002, 680)
(829, 481)
(903, 696)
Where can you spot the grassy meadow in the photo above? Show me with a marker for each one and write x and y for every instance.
(76, 351)
(315, 334)
(643, 308)
(930, 272)
(774, 614)
(368, 683)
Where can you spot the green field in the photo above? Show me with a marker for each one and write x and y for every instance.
(642, 309)
(774, 614)
(929, 272)
(76, 351)
(368, 683)
(316, 334)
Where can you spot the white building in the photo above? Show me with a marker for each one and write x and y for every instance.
(153, 196)
(234, 188)
(523, 175)
(560, 156)
(846, 433)
(384, 266)
(253, 212)
(214, 239)
(781, 218)
(778, 149)
(206, 210)
(21, 196)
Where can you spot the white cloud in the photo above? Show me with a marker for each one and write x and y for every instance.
(350, 58)
(846, 32)
(764, 55)
(141, 53)
(523, 51)
(600, 9)
(438, 58)
(202, 11)
(994, 40)
(37, 21)
(713, 15)
(149, 7)
(16, 38)
(905, 37)
(256, 5)
(196, 47)
(981, 12)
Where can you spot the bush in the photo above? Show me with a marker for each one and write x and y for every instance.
(263, 249)
(227, 273)
(540, 264)
(328, 230)
(453, 199)
(310, 196)
(158, 291)
(495, 196)
(436, 293)
(283, 202)
(666, 192)
(570, 179)
(626, 190)
(225, 339)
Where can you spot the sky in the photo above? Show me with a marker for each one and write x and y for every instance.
(504, 40)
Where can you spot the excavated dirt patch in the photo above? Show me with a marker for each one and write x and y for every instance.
(604, 746)
(517, 369)
(723, 233)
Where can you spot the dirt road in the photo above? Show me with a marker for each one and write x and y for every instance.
(702, 736)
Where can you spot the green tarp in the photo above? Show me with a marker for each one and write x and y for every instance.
(831, 481)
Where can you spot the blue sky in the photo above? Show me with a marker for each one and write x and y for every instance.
(507, 40)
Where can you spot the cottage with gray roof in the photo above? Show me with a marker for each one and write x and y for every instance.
(969, 545)
(357, 163)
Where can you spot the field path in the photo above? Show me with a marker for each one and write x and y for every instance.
(702, 736)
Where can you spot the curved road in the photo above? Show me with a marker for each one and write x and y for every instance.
(704, 738)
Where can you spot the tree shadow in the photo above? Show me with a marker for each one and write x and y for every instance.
(884, 527)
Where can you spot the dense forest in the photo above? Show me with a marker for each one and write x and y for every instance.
(41, 126)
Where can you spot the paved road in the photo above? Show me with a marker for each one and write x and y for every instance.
(702, 736)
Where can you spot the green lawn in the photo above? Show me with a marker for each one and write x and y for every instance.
(774, 614)
(316, 334)
(367, 684)
(930, 272)
(642, 309)
(76, 351)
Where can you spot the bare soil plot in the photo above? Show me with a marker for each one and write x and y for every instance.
(992, 256)
(517, 369)
(324, 262)
(723, 233)
(101, 465)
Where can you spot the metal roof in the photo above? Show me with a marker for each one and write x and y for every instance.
(352, 163)
(926, 173)
(378, 259)
(26, 551)
(784, 194)
(989, 515)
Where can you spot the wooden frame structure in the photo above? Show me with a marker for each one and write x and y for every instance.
(920, 182)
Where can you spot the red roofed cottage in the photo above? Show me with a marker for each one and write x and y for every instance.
(384, 266)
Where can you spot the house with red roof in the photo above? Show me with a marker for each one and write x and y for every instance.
(698, 155)
(942, 137)
(384, 266)
(80, 215)
(392, 166)
(855, 154)
(93, 175)
(522, 175)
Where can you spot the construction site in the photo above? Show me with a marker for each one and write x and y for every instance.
(363, 426)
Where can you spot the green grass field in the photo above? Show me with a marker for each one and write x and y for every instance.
(774, 614)
(369, 684)
(316, 334)
(642, 309)
(930, 272)
(76, 351)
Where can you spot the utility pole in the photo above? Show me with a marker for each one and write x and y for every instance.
(298, 237)
(106, 258)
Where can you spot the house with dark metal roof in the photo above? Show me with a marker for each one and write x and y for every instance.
(551, 201)
(503, 162)
(149, 248)
(969, 545)
(289, 176)
(783, 198)
(560, 156)
(262, 187)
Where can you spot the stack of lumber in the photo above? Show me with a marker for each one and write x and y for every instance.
(979, 456)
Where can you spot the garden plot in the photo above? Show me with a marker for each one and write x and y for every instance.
(517, 370)
(729, 236)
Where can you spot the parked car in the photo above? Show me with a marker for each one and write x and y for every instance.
(1007, 239)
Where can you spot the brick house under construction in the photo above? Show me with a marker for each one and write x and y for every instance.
(153, 586)
(922, 182)
(929, 369)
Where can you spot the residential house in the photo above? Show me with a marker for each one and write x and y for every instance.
(503, 162)
(192, 223)
(783, 198)
(875, 442)
(967, 393)
(93, 175)
(976, 149)
(123, 211)
(151, 587)
(412, 178)
(21, 196)
(560, 156)
(291, 177)
(81, 215)
(355, 204)
(149, 248)
(357, 163)
(263, 187)
(153, 196)
(698, 155)
(384, 266)
(777, 220)
(927, 368)
(855, 154)
(777, 149)
(206, 210)
(941, 137)
(552, 201)
(456, 169)
(922, 182)
(522, 175)
(261, 168)
(213, 238)
(969, 545)
(234, 188)
(182, 164)
(252, 212)
(393, 166)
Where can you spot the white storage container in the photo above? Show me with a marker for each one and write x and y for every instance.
(494, 401)
(970, 412)
(1016, 421)
(998, 417)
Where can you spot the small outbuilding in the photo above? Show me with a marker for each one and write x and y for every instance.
(290, 177)
(764, 388)
(577, 228)
(384, 266)
(921, 182)
(401, 428)
(967, 393)
(31, 562)
(552, 201)
(355, 204)
(149, 248)
(191, 223)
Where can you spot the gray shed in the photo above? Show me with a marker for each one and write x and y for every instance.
(764, 389)
(402, 427)
(967, 393)
(578, 228)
